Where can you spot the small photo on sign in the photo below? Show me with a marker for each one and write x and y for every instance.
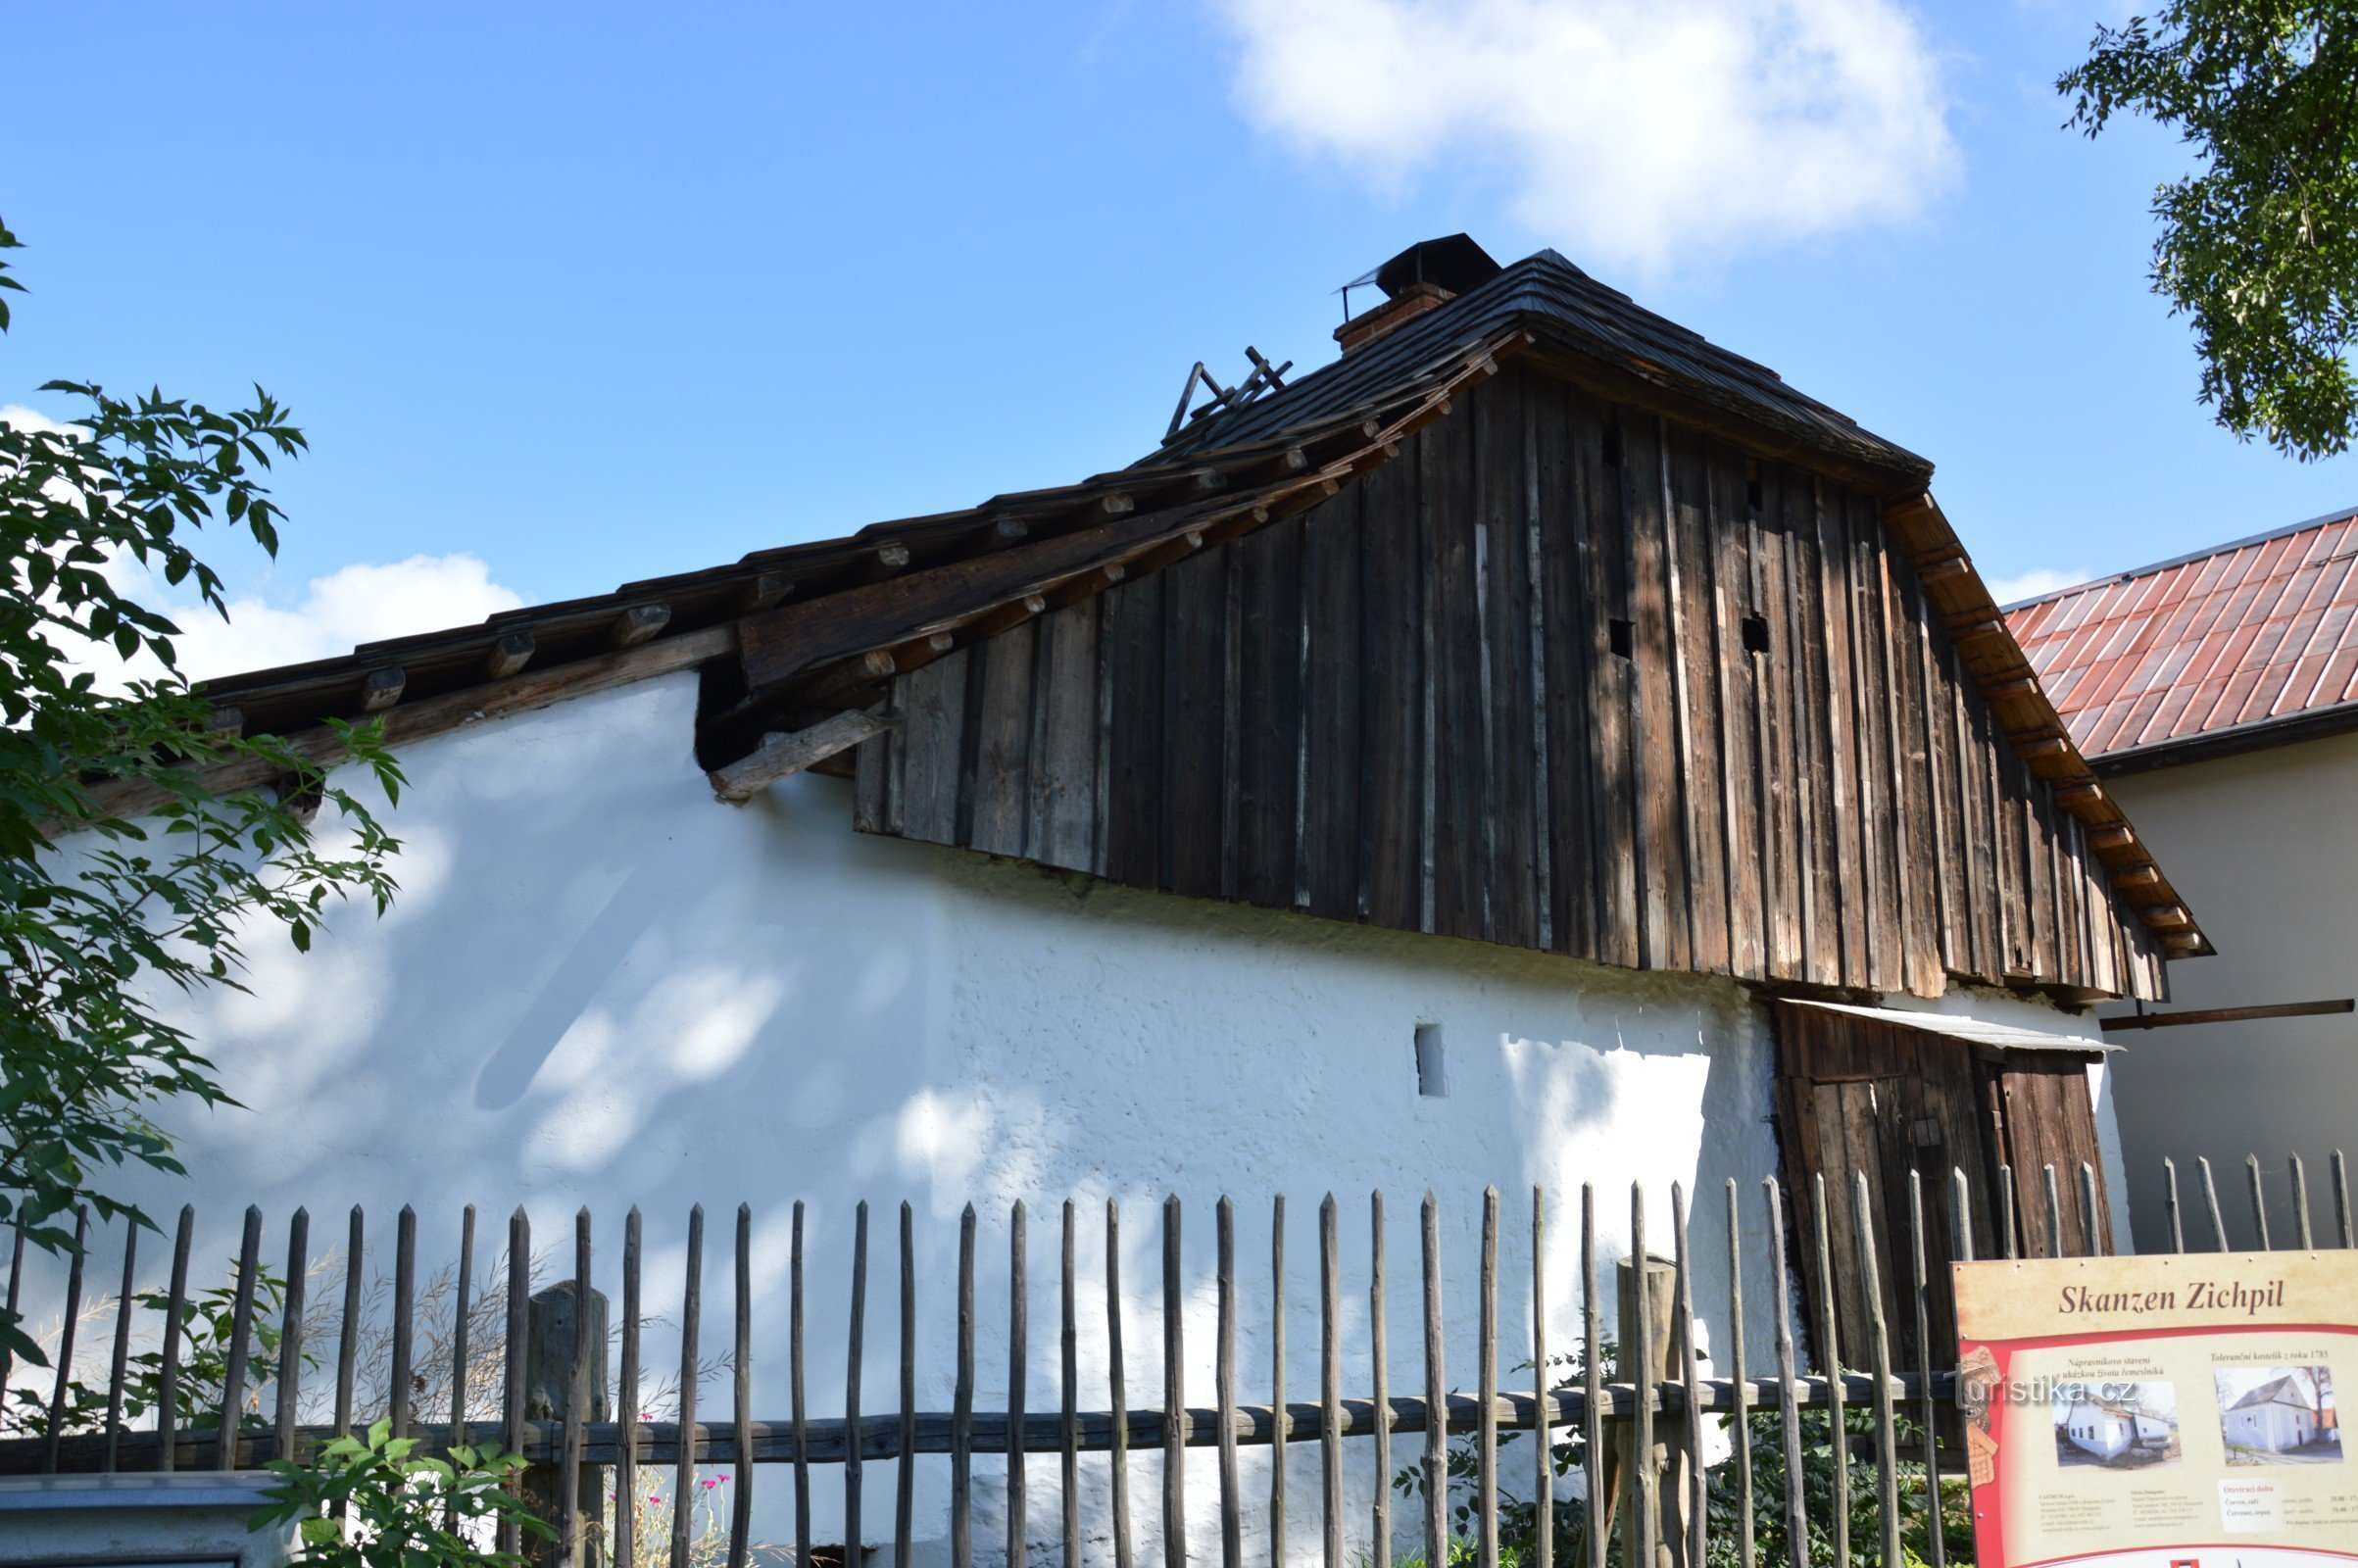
(2116, 1426)
(2279, 1415)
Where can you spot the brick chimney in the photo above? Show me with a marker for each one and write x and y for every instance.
(1394, 314)
(1417, 281)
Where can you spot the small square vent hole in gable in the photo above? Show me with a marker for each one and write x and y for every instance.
(1431, 1063)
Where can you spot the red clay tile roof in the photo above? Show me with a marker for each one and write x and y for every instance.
(2254, 641)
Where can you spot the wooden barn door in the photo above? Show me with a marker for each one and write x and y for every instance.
(2038, 1113)
(1860, 1094)
(1878, 1095)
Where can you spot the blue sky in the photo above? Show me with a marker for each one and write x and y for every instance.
(592, 294)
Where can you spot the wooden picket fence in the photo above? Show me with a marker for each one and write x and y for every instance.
(1667, 1411)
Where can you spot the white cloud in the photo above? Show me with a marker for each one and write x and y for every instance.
(1648, 133)
(33, 420)
(2032, 583)
(352, 604)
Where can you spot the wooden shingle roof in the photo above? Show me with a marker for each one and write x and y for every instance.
(2252, 643)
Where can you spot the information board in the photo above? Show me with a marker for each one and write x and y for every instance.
(2160, 1412)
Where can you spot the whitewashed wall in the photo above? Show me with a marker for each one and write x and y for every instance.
(2264, 848)
(600, 986)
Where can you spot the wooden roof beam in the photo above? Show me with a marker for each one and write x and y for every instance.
(510, 654)
(875, 565)
(381, 689)
(637, 624)
(765, 590)
(780, 756)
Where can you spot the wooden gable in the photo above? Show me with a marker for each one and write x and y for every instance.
(1561, 673)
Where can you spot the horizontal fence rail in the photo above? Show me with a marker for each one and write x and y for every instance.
(525, 1369)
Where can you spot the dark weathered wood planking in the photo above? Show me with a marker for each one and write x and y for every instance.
(1392, 688)
(1194, 681)
(1407, 707)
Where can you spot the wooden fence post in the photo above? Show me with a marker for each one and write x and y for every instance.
(552, 1383)
(1650, 1350)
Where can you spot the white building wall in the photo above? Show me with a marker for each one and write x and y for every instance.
(601, 987)
(2265, 848)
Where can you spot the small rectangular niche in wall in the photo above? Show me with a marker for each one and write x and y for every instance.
(1431, 1065)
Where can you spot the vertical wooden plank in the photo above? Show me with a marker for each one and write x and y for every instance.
(289, 1354)
(1460, 737)
(1277, 1382)
(1887, 1477)
(1232, 1502)
(71, 1320)
(572, 1529)
(999, 741)
(1869, 711)
(1567, 620)
(1270, 732)
(2259, 1201)
(348, 1327)
(855, 1428)
(1831, 1358)
(2210, 1200)
(1694, 669)
(1130, 636)
(1333, 540)
(1436, 1398)
(1598, 461)
(741, 1504)
(906, 1482)
(1645, 1511)
(125, 1306)
(519, 1347)
(2341, 1201)
(2178, 1229)
(1929, 1410)
(461, 1310)
(241, 1331)
(1740, 1424)
(798, 1408)
(962, 1400)
(1330, 1383)
(1781, 737)
(1542, 1406)
(405, 1316)
(1905, 763)
(1195, 679)
(1505, 668)
(1062, 823)
(1951, 877)
(1379, 1381)
(932, 747)
(1788, 1412)
(1486, 1385)
(1068, 1371)
(1391, 684)
(626, 1409)
(1655, 731)
(1847, 807)
(1727, 532)
(2008, 1210)
(1117, 1386)
(1018, 1379)
(684, 1472)
(1685, 1350)
(2057, 1245)
(1174, 1392)
(1591, 1392)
